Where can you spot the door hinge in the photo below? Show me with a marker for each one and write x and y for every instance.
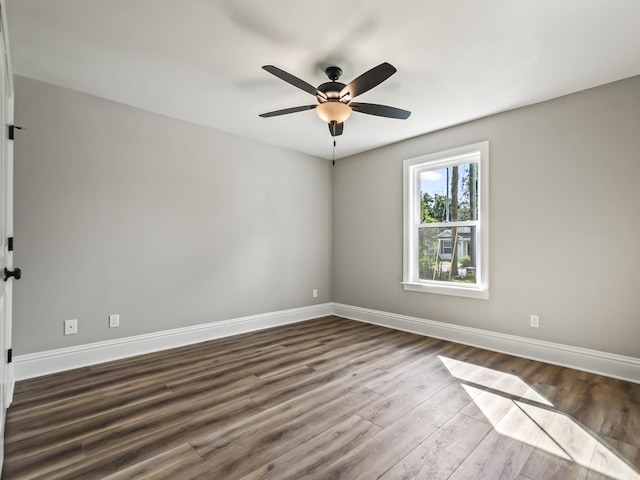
(10, 244)
(12, 131)
(10, 355)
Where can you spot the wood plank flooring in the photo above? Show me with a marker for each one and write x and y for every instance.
(325, 399)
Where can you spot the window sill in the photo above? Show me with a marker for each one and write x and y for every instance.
(455, 290)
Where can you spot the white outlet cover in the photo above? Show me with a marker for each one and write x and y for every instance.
(71, 327)
(114, 321)
(535, 321)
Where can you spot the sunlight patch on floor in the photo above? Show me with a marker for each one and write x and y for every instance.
(516, 410)
(508, 419)
(487, 377)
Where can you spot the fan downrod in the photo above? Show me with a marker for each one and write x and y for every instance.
(333, 73)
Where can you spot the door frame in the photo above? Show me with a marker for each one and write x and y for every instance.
(8, 373)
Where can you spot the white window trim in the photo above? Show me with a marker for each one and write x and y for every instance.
(411, 194)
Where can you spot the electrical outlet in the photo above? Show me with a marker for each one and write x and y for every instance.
(114, 321)
(535, 321)
(71, 327)
(315, 293)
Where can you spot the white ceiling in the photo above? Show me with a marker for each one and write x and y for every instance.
(200, 60)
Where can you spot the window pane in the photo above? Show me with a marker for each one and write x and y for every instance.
(449, 194)
(447, 254)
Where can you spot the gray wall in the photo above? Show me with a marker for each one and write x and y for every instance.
(169, 224)
(564, 209)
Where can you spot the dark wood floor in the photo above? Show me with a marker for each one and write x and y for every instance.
(325, 399)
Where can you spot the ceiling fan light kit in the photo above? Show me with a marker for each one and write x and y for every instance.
(333, 111)
(335, 99)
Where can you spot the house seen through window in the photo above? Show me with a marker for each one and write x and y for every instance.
(446, 208)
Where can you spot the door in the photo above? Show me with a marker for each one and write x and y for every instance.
(6, 230)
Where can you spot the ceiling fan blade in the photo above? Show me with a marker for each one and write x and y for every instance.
(380, 110)
(368, 80)
(287, 110)
(336, 128)
(293, 80)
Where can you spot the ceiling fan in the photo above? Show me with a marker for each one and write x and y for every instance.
(335, 99)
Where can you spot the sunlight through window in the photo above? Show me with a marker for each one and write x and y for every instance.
(516, 410)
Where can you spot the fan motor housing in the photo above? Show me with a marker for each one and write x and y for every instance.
(332, 89)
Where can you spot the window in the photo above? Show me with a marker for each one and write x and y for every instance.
(446, 222)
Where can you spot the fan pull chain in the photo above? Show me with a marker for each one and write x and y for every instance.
(334, 151)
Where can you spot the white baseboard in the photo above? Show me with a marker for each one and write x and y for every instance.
(608, 364)
(43, 363)
(52, 361)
